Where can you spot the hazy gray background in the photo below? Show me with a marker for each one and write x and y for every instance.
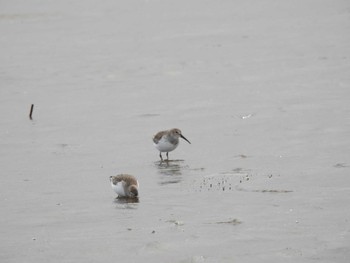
(260, 88)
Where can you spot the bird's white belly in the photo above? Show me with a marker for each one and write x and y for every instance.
(119, 188)
(165, 146)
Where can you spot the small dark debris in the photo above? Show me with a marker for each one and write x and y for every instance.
(340, 165)
(230, 222)
(273, 191)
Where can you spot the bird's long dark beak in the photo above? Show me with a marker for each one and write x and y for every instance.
(183, 137)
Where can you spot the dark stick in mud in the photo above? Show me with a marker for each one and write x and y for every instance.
(31, 111)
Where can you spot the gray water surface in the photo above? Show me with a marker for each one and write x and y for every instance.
(260, 88)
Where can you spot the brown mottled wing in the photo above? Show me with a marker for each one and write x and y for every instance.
(122, 177)
(158, 136)
(129, 179)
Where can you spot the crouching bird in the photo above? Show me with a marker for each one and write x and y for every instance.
(125, 185)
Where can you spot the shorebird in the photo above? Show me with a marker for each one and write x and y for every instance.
(125, 185)
(167, 141)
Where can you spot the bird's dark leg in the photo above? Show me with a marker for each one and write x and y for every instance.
(167, 156)
(161, 157)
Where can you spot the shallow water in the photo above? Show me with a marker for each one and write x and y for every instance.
(260, 90)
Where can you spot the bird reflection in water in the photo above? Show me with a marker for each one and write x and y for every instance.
(170, 171)
(126, 200)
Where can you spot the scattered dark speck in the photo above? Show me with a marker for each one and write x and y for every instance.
(340, 165)
(149, 115)
(230, 222)
(273, 191)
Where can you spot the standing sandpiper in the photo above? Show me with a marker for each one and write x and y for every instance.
(167, 141)
(125, 185)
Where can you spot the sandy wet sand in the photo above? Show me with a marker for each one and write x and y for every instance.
(260, 88)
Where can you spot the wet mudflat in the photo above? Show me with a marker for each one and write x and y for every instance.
(260, 89)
